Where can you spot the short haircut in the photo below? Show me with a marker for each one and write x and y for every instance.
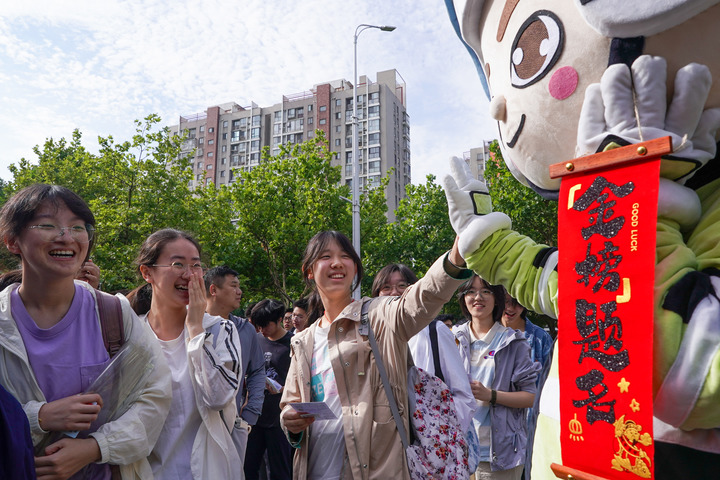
(267, 311)
(302, 303)
(216, 276)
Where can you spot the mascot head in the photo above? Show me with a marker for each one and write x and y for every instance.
(536, 58)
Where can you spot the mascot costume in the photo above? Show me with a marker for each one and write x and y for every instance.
(568, 78)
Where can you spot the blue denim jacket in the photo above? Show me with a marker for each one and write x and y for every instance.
(514, 371)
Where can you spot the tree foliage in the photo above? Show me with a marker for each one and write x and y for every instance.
(278, 206)
(531, 214)
(134, 188)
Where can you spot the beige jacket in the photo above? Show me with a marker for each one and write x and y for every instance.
(374, 450)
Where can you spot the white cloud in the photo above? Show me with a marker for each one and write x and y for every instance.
(98, 66)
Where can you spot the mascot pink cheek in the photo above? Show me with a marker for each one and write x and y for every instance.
(563, 83)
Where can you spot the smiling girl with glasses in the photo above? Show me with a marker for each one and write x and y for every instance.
(53, 348)
(203, 352)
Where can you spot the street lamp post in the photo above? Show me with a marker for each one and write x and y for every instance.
(355, 160)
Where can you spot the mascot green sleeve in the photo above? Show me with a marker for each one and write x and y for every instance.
(568, 78)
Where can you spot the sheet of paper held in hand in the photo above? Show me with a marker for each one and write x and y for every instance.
(319, 410)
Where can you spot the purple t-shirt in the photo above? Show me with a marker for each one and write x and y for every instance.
(67, 357)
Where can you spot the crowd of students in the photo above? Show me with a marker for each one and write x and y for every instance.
(167, 383)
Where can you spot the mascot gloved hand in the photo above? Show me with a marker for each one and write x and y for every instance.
(470, 207)
(629, 106)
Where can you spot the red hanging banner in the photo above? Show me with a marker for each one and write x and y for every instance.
(607, 221)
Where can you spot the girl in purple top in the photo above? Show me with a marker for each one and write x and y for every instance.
(52, 345)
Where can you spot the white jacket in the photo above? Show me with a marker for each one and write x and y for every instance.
(126, 441)
(215, 366)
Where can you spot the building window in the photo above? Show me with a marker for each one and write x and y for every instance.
(224, 148)
(337, 142)
(209, 167)
(202, 128)
(374, 111)
(374, 167)
(338, 116)
(255, 132)
(374, 97)
(236, 124)
(225, 123)
(374, 125)
(299, 112)
(374, 152)
(256, 120)
(323, 108)
(201, 140)
(224, 136)
(211, 142)
(211, 130)
(254, 145)
(210, 154)
(291, 113)
(199, 165)
(222, 173)
(323, 121)
(277, 116)
(338, 102)
(191, 133)
(223, 161)
(310, 108)
(310, 120)
(373, 139)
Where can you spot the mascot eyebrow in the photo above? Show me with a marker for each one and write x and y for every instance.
(505, 18)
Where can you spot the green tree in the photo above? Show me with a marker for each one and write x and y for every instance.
(133, 188)
(531, 214)
(278, 206)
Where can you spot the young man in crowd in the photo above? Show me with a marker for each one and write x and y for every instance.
(268, 436)
(223, 296)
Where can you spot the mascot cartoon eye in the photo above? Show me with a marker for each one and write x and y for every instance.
(536, 48)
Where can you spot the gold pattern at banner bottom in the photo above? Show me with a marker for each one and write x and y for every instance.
(630, 442)
(576, 429)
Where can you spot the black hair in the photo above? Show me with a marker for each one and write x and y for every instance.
(216, 276)
(267, 311)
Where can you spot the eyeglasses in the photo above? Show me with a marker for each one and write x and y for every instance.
(389, 288)
(484, 293)
(180, 268)
(79, 233)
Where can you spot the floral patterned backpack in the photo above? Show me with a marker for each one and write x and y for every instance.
(438, 450)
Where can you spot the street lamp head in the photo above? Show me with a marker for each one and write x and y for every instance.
(387, 28)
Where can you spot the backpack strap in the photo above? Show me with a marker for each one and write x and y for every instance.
(435, 349)
(111, 321)
(364, 321)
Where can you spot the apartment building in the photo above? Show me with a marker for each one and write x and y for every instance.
(476, 159)
(227, 138)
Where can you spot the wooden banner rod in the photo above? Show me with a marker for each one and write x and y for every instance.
(613, 158)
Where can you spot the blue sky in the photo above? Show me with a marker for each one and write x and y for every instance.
(98, 66)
